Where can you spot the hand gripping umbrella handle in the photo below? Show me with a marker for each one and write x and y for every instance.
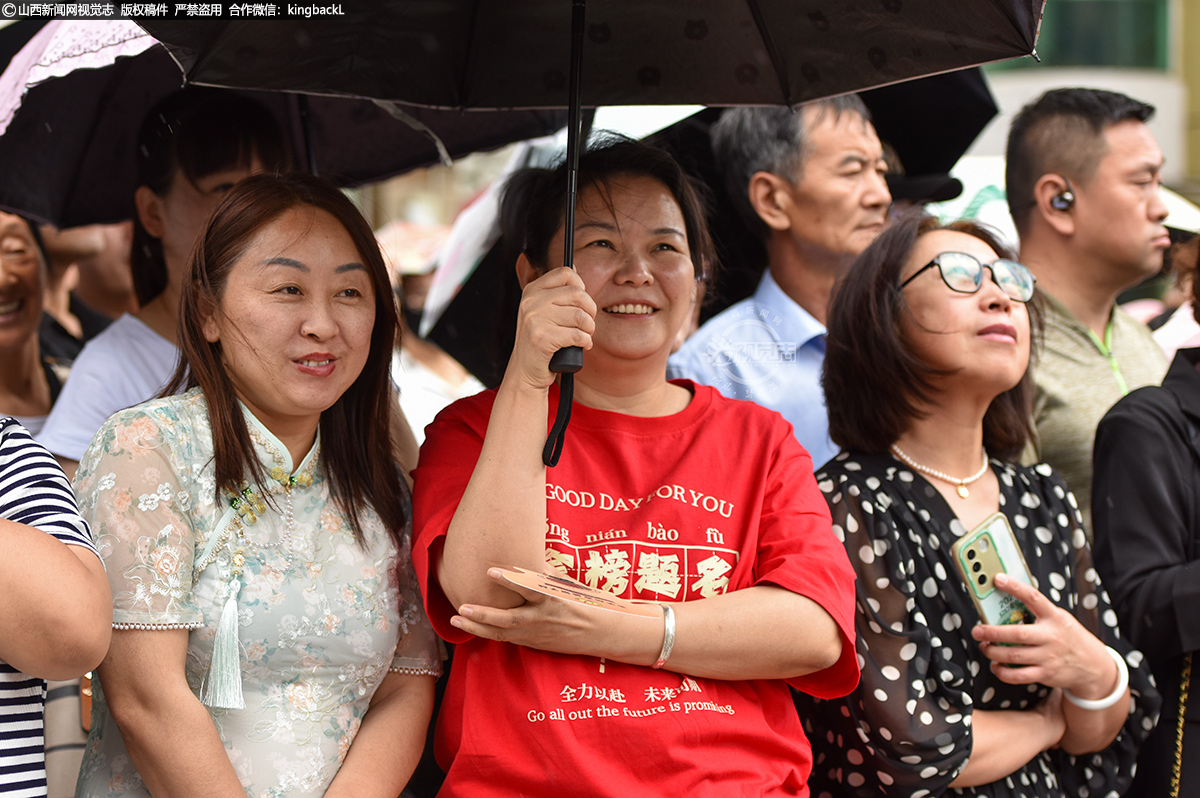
(567, 360)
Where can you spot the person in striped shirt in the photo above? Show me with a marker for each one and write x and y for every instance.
(57, 615)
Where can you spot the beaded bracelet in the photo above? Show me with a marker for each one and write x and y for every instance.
(668, 636)
(1111, 698)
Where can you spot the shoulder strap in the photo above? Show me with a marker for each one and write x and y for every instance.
(1185, 677)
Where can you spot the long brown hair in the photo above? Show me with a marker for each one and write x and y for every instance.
(355, 447)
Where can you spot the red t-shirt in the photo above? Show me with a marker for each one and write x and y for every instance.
(715, 498)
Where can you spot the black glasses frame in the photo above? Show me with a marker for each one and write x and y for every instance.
(1020, 268)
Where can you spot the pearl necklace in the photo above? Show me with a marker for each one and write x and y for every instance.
(960, 482)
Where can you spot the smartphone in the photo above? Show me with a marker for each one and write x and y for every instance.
(987, 550)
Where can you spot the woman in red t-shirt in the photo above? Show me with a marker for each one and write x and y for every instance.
(666, 492)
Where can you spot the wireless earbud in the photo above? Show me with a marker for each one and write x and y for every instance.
(1064, 200)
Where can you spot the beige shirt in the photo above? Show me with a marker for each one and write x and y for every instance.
(1078, 381)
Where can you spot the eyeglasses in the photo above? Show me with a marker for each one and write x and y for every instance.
(964, 273)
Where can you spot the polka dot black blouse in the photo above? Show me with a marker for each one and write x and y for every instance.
(906, 730)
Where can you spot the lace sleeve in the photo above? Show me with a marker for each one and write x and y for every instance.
(129, 491)
(420, 651)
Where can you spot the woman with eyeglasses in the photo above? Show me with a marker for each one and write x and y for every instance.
(928, 388)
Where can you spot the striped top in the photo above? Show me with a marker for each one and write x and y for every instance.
(33, 491)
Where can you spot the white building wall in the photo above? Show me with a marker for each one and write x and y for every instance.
(1163, 90)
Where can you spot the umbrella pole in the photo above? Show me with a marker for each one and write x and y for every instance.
(306, 130)
(569, 360)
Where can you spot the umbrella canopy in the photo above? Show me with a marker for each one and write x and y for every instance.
(713, 52)
(68, 151)
(541, 53)
(932, 121)
(468, 54)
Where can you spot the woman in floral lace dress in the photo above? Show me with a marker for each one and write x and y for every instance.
(267, 633)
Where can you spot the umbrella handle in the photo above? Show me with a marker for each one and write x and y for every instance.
(567, 360)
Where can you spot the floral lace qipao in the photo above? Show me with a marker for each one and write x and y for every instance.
(321, 619)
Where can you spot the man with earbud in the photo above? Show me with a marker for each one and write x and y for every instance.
(1083, 179)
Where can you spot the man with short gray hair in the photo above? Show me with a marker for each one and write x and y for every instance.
(811, 183)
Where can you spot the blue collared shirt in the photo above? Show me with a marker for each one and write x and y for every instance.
(769, 350)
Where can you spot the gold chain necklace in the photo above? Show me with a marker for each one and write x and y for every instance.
(961, 482)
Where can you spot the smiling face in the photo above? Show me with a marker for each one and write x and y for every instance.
(20, 282)
(294, 319)
(631, 251)
(981, 338)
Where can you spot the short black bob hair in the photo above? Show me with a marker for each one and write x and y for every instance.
(873, 381)
(195, 132)
(533, 208)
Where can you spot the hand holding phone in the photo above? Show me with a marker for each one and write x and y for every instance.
(1057, 651)
(979, 556)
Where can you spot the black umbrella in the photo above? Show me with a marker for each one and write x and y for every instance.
(469, 54)
(932, 121)
(68, 155)
(16, 35)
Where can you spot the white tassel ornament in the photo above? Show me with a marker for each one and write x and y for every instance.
(222, 688)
